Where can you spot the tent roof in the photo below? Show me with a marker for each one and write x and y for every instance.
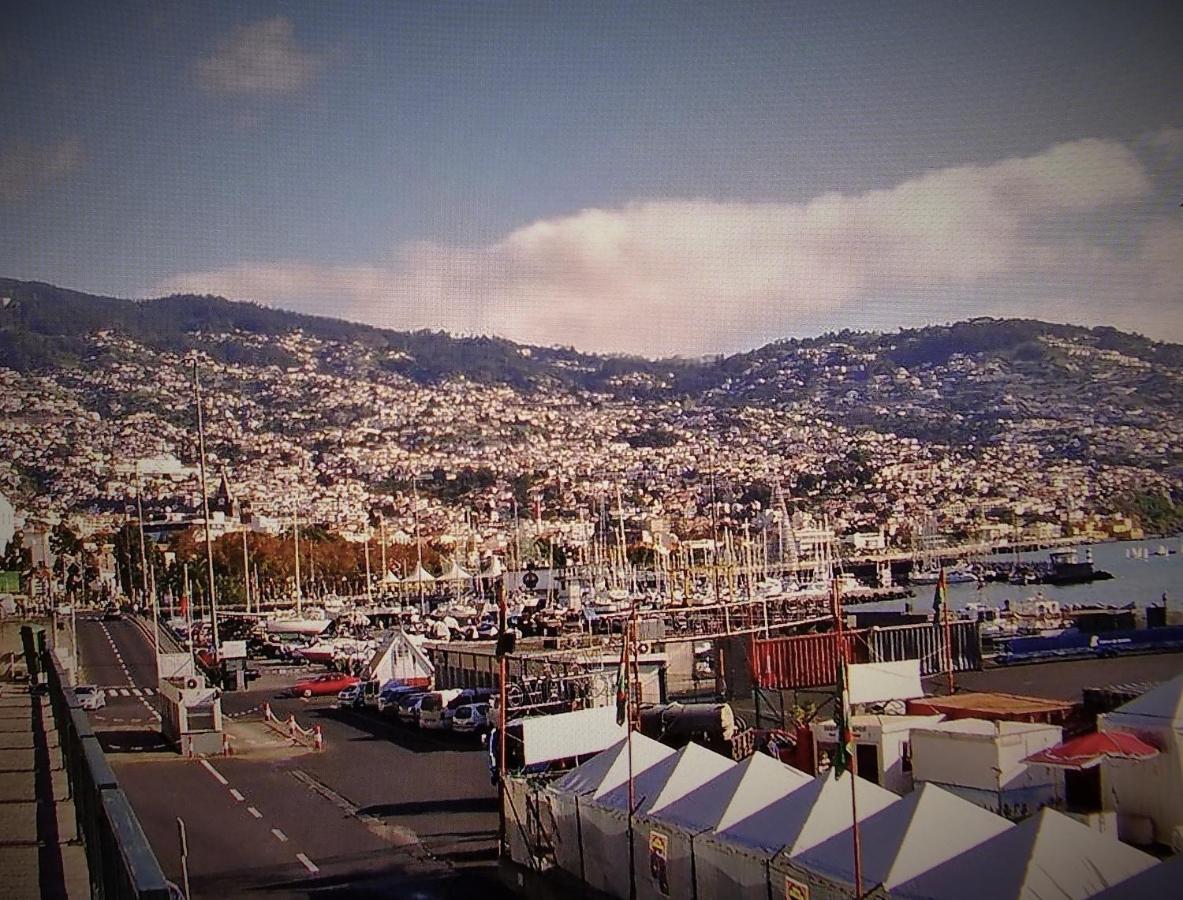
(762, 781)
(1089, 750)
(453, 572)
(696, 791)
(906, 838)
(1049, 855)
(1162, 880)
(1163, 703)
(805, 816)
(419, 575)
(609, 768)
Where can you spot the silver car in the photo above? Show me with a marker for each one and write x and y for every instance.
(90, 697)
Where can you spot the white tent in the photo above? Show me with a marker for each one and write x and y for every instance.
(1049, 855)
(1151, 790)
(690, 823)
(399, 658)
(1162, 880)
(918, 832)
(453, 572)
(599, 775)
(604, 816)
(793, 813)
(419, 576)
(694, 796)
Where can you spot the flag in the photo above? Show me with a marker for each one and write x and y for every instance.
(844, 752)
(622, 682)
(938, 597)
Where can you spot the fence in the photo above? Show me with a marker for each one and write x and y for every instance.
(121, 862)
(310, 737)
(811, 660)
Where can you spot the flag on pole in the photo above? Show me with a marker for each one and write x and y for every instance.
(938, 597)
(622, 682)
(844, 752)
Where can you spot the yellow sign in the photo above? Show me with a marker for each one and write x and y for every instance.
(659, 854)
(795, 890)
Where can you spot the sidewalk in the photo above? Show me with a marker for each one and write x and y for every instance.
(40, 855)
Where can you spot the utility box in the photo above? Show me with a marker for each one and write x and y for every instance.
(191, 717)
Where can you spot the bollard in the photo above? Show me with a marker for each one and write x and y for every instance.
(320, 739)
(227, 750)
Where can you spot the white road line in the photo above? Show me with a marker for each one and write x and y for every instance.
(214, 772)
(254, 812)
(279, 834)
(136, 692)
(312, 867)
(236, 795)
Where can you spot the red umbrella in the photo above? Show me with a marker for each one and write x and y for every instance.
(1088, 750)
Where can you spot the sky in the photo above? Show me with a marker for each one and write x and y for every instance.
(628, 177)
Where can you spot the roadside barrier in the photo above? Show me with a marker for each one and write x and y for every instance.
(309, 737)
(119, 857)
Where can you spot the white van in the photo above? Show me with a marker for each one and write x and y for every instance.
(432, 708)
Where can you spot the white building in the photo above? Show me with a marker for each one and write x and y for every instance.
(982, 762)
(882, 744)
(1148, 794)
(7, 522)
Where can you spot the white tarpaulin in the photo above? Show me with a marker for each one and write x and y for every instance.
(882, 681)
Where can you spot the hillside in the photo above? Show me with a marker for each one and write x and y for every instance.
(91, 382)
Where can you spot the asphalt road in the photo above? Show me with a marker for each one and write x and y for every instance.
(382, 811)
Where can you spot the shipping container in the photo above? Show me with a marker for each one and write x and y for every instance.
(811, 660)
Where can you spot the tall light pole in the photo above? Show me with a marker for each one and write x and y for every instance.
(209, 544)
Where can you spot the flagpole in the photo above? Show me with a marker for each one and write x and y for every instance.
(948, 633)
(629, 636)
(845, 733)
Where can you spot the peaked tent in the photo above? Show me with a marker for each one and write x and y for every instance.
(694, 796)
(920, 831)
(453, 572)
(400, 659)
(419, 576)
(604, 816)
(732, 860)
(743, 856)
(1152, 789)
(600, 774)
(1049, 855)
(1162, 880)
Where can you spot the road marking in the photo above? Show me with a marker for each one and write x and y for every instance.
(308, 864)
(279, 834)
(254, 812)
(214, 772)
(236, 795)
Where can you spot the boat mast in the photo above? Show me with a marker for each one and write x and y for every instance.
(209, 543)
(296, 535)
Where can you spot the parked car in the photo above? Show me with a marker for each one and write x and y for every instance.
(471, 718)
(408, 707)
(433, 711)
(90, 697)
(357, 696)
(323, 685)
(389, 696)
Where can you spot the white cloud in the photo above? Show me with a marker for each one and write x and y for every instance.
(24, 168)
(260, 58)
(695, 276)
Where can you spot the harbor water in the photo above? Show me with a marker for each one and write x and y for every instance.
(1141, 581)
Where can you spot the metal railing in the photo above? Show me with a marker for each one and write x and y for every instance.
(121, 862)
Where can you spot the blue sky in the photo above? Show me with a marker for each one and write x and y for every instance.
(644, 177)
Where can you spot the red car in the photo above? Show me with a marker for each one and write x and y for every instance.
(324, 685)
